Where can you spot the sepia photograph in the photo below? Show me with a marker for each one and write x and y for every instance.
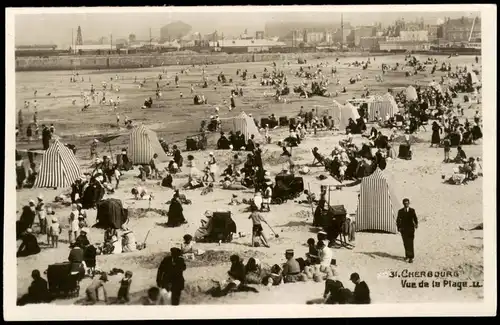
(250, 162)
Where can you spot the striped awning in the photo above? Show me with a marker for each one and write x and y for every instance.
(377, 206)
(143, 145)
(59, 167)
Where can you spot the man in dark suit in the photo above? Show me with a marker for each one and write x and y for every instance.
(407, 222)
(170, 274)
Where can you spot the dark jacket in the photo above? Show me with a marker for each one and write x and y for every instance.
(361, 293)
(38, 291)
(237, 271)
(407, 221)
(170, 274)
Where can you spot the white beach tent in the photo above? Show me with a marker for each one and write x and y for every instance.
(59, 167)
(342, 114)
(378, 204)
(246, 125)
(143, 144)
(411, 93)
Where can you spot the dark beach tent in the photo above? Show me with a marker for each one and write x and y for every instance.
(223, 226)
(111, 214)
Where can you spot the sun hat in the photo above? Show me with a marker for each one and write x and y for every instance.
(40, 197)
(54, 219)
(31, 202)
(208, 214)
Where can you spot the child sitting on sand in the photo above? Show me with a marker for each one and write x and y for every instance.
(187, 248)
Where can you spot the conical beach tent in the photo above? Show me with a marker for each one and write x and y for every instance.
(342, 114)
(411, 93)
(143, 144)
(378, 204)
(59, 167)
(246, 125)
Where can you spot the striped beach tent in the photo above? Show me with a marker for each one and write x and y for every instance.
(143, 144)
(383, 105)
(378, 204)
(59, 167)
(246, 125)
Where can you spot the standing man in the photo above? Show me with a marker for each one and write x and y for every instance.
(46, 136)
(407, 222)
(170, 274)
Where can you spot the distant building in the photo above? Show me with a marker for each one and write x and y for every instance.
(259, 35)
(315, 37)
(246, 46)
(341, 37)
(359, 32)
(459, 30)
(371, 43)
(433, 33)
(414, 35)
(396, 44)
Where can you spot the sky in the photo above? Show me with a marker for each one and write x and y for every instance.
(56, 28)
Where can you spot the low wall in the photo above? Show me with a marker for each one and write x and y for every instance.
(146, 61)
(134, 61)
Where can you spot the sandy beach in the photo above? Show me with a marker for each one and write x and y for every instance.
(440, 245)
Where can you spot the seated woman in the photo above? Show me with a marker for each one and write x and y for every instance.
(29, 245)
(274, 278)
(312, 256)
(167, 180)
(235, 281)
(461, 157)
(373, 134)
(254, 273)
(228, 171)
(335, 293)
(318, 158)
(228, 185)
(223, 143)
(172, 167)
(206, 227)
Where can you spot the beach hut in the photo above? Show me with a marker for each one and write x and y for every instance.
(342, 114)
(384, 105)
(143, 144)
(246, 125)
(378, 204)
(59, 167)
(411, 93)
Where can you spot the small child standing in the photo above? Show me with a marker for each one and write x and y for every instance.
(54, 232)
(124, 291)
(82, 223)
(342, 170)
